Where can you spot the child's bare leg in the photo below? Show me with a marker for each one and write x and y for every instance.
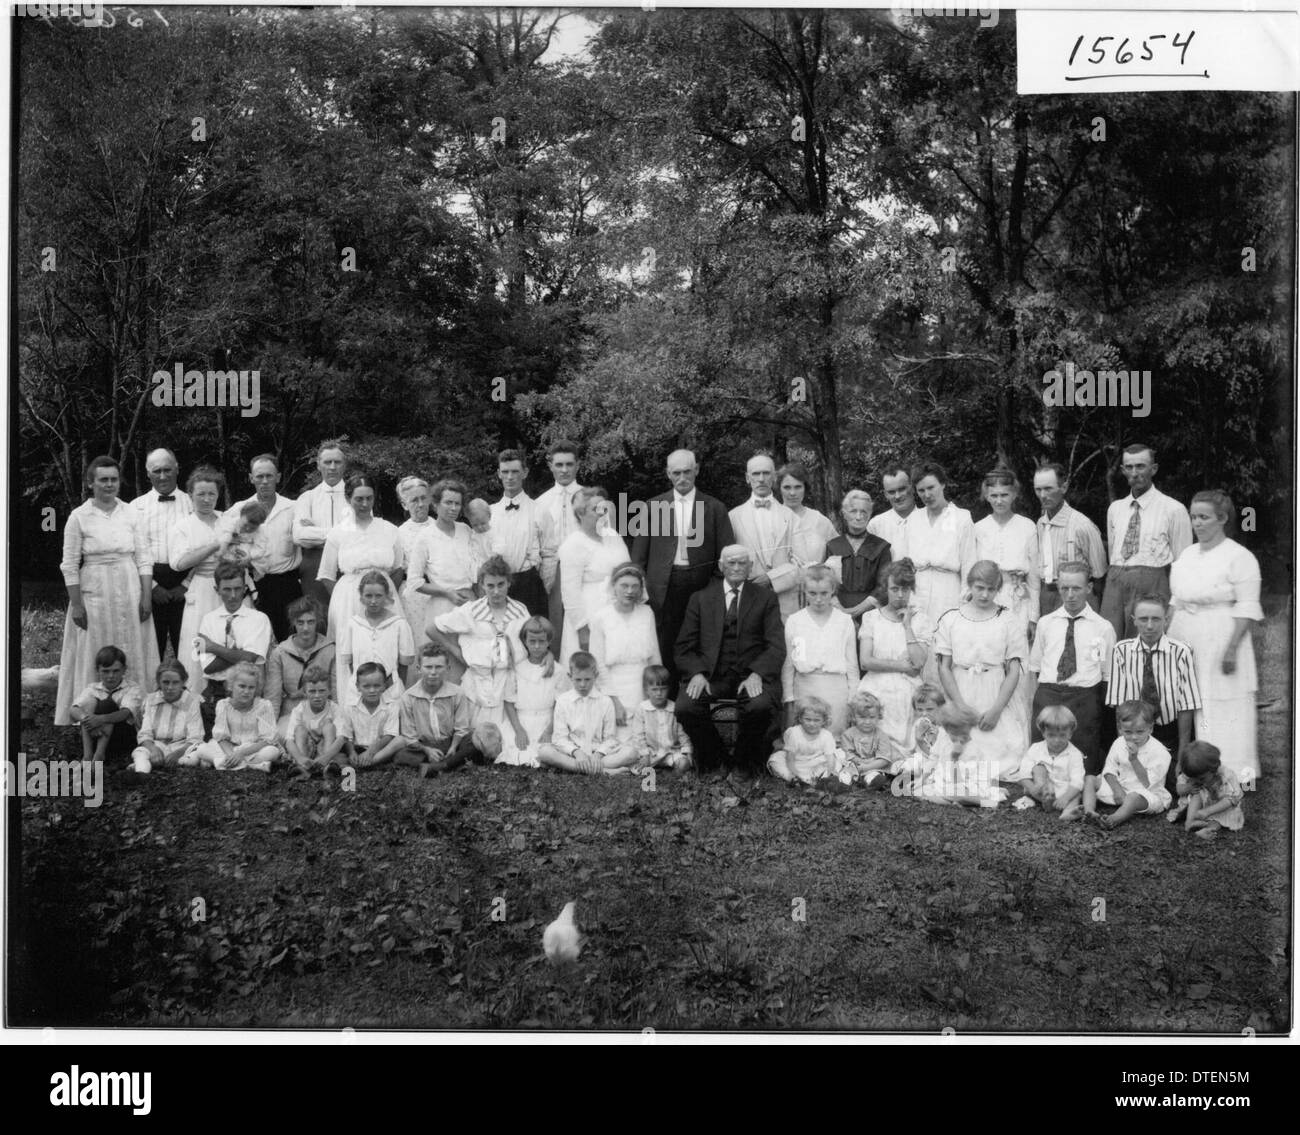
(331, 744)
(1070, 804)
(1131, 805)
(1209, 829)
(102, 735)
(551, 757)
(88, 737)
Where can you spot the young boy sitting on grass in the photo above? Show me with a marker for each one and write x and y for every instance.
(371, 735)
(434, 718)
(317, 730)
(108, 710)
(1052, 771)
(1133, 777)
(584, 738)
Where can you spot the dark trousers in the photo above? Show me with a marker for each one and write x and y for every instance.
(755, 731)
(671, 613)
(1167, 735)
(1124, 587)
(307, 572)
(123, 739)
(1088, 704)
(526, 587)
(167, 616)
(555, 612)
(274, 594)
(213, 692)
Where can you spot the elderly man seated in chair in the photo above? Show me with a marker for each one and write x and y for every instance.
(731, 646)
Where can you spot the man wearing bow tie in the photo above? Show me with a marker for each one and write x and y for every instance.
(731, 645)
(688, 530)
(161, 509)
(766, 528)
(555, 508)
(516, 531)
(317, 511)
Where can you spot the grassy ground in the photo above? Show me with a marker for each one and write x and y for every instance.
(706, 905)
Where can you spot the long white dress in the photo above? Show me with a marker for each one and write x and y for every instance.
(104, 553)
(821, 660)
(445, 562)
(414, 602)
(350, 552)
(980, 650)
(894, 689)
(943, 552)
(624, 645)
(1210, 590)
(1013, 546)
(585, 568)
(188, 535)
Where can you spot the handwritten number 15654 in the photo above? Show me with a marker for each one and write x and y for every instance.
(1124, 54)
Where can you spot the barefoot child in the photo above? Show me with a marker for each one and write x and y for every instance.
(960, 768)
(1133, 778)
(1052, 771)
(657, 735)
(317, 728)
(530, 694)
(243, 734)
(585, 737)
(376, 633)
(1210, 792)
(808, 752)
(928, 700)
(107, 710)
(371, 736)
(170, 723)
(869, 755)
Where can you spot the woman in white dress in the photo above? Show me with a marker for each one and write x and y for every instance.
(821, 657)
(195, 545)
(414, 494)
(624, 641)
(588, 558)
(812, 530)
(1011, 542)
(359, 543)
(109, 575)
(894, 644)
(940, 542)
(982, 652)
(1215, 588)
(442, 561)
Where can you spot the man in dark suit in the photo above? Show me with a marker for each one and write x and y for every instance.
(731, 645)
(679, 558)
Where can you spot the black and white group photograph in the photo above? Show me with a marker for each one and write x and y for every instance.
(646, 523)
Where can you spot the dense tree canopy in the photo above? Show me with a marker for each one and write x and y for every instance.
(837, 234)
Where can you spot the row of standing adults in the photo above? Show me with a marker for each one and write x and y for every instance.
(136, 572)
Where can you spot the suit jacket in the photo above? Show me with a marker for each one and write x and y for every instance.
(760, 638)
(654, 553)
(775, 560)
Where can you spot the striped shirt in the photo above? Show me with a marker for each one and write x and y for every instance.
(166, 723)
(159, 518)
(1174, 673)
(1067, 536)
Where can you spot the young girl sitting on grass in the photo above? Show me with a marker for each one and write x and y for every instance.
(170, 723)
(243, 734)
(869, 755)
(107, 710)
(1133, 778)
(808, 753)
(960, 767)
(1209, 791)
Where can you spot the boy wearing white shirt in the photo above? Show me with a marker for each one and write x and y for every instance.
(657, 736)
(1052, 771)
(516, 526)
(230, 635)
(1133, 778)
(584, 738)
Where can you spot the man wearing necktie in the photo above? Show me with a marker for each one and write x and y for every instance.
(1071, 659)
(731, 645)
(231, 634)
(1147, 531)
(679, 554)
(162, 508)
(317, 511)
(766, 528)
(555, 507)
(1158, 670)
(516, 526)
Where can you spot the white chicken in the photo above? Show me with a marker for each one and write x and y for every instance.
(561, 939)
(40, 678)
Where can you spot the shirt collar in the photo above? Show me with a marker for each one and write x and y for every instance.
(1158, 648)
